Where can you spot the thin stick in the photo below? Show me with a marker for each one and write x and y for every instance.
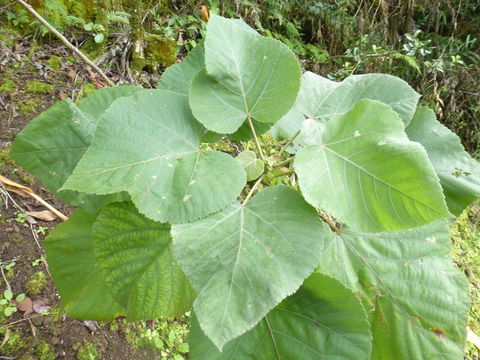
(66, 42)
(5, 278)
(48, 206)
(252, 190)
(250, 123)
(288, 143)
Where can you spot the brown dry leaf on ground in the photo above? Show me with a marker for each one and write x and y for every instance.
(26, 305)
(41, 305)
(45, 215)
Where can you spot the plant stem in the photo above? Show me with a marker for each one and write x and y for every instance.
(259, 147)
(283, 173)
(284, 162)
(288, 143)
(252, 190)
(66, 42)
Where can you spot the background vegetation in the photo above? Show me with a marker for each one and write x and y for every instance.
(432, 44)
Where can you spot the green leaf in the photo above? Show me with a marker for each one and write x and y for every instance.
(99, 38)
(20, 297)
(9, 310)
(71, 261)
(244, 133)
(179, 77)
(134, 255)
(246, 75)
(368, 174)
(8, 294)
(95, 104)
(322, 320)
(288, 125)
(459, 174)
(53, 143)
(3, 301)
(322, 99)
(253, 167)
(244, 260)
(417, 300)
(148, 145)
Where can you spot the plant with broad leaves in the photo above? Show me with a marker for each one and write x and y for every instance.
(348, 258)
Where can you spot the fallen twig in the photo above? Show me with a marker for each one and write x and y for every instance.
(25, 192)
(66, 42)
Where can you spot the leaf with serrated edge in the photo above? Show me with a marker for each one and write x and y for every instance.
(459, 174)
(246, 75)
(134, 255)
(322, 320)
(368, 174)
(179, 77)
(53, 143)
(244, 260)
(71, 262)
(321, 99)
(148, 145)
(417, 300)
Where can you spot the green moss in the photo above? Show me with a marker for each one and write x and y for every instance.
(14, 344)
(38, 87)
(86, 351)
(466, 253)
(5, 159)
(28, 107)
(8, 87)
(92, 49)
(44, 351)
(35, 285)
(55, 62)
(159, 50)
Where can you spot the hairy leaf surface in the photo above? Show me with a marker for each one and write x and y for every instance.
(459, 174)
(135, 257)
(368, 174)
(244, 260)
(246, 75)
(322, 320)
(416, 299)
(71, 262)
(148, 145)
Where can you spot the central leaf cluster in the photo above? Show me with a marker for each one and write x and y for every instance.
(346, 257)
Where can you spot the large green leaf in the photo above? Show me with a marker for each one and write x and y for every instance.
(322, 99)
(135, 257)
(368, 174)
(459, 174)
(148, 145)
(244, 260)
(246, 75)
(179, 77)
(53, 143)
(416, 298)
(71, 262)
(322, 320)
(95, 104)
